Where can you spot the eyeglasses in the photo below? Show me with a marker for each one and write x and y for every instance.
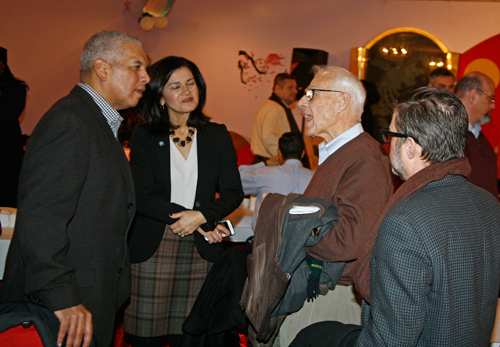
(492, 98)
(310, 92)
(386, 136)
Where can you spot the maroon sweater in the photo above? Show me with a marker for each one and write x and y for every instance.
(356, 179)
(483, 161)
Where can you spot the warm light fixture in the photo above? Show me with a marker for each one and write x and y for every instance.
(151, 13)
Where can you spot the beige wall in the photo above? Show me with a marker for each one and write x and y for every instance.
(44, 39)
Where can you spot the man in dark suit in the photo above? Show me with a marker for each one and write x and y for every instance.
(435, 266)
(477, 92)
(77, 200)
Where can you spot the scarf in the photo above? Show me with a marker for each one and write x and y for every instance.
(289, 115)
(432, 173)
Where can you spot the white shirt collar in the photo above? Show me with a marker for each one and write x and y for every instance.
(476, 129)
(327, 149)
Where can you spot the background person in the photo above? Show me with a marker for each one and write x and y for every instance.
(12, 102)
(76, 198)
(477, 92)
(179, 161)
(289, 177)
(442, 78)
(274, 118)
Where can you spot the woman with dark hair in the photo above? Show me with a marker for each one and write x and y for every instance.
(180, 162)
(12, 102)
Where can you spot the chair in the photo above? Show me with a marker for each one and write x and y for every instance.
(23, 324)
(311, 144)
(242, 149)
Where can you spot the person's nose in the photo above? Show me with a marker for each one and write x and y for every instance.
(185, 89)
(145, 77)
(302, 102)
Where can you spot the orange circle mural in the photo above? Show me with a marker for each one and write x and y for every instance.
(485, 66)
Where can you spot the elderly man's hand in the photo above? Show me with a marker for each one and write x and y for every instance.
(76, 322)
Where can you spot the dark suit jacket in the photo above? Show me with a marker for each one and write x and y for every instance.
(435, 269)
(76, 204)
(217, 173)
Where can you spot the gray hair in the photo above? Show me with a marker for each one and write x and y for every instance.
(107, 45)
(345, 81)
(472, 80)
(436, 119)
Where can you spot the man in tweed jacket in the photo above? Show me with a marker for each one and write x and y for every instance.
(435, 267)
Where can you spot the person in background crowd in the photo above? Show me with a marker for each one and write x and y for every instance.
(289, 177)
(435, 266)
(76, 200)
(12, 103)
(477, 92)
(179, 161)
(274, 118)
(442, 78)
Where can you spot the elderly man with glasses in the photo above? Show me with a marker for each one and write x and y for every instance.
(435, 265)
(477, 93)
(354, 175)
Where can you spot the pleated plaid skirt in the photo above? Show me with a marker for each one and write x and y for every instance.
(165, 287)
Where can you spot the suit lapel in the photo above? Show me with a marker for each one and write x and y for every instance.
(204, 150)
(161, 143)
(112, 141)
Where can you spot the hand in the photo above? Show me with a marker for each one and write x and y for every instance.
(273, 161)
(216, 235)
(189, 221)
(76, 322)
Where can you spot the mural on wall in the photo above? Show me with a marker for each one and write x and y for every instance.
(485, 58)
(254, 72)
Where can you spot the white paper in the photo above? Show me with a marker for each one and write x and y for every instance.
(303, 209)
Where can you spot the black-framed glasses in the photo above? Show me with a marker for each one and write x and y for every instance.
(310, 92)
(492, 98)
(387, 136)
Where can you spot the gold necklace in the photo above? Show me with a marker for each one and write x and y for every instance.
(183, 143)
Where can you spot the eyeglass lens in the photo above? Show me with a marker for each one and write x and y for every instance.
(309, 94)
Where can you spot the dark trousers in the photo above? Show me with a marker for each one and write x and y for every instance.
(327, 334)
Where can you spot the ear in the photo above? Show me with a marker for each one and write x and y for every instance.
(472, 97)
(101, 68)
(412, 149)
(303, 153)
(344, 101)
(162, 101)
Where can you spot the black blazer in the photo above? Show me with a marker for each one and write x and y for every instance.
(76, 203)
(217, 173)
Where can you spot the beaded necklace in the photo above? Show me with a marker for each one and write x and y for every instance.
(187, 140)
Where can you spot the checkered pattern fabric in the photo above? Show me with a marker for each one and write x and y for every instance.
(435, 269)
(165, 287)
(112, 116)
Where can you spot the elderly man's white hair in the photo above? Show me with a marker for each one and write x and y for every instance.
(345, 81)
